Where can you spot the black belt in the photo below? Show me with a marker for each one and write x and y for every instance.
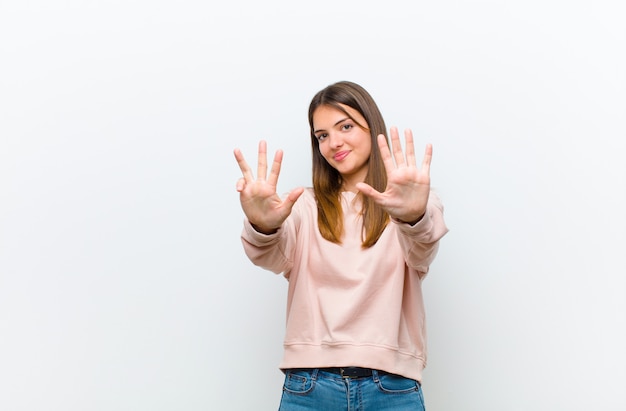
(352, 372)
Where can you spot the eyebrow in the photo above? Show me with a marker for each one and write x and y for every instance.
(340, 121)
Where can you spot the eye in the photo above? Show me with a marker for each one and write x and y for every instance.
(346, 127)
(321, 136)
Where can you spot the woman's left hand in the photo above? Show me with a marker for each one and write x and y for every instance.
(408, 187)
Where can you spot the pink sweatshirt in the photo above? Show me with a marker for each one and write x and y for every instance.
(349, 306)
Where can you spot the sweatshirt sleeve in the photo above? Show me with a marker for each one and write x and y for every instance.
(269, 251)
(420, 242)
(275, 252)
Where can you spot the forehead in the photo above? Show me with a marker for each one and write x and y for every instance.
(326, 116)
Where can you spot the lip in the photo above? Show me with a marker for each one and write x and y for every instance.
(341, 155)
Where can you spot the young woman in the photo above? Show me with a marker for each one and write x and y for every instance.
(355, 248)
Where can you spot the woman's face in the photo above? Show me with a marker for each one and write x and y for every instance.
(343, 143)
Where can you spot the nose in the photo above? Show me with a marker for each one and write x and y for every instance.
(335, 140)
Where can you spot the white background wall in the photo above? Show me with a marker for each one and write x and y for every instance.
(123, 285)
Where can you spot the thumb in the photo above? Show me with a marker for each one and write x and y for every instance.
(287, 204)
(293, 197)
(368, 191)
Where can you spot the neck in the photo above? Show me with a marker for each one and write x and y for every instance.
(349, 182)
(349, 187)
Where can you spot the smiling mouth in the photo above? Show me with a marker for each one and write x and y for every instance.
(341, 155)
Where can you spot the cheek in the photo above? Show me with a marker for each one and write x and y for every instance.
(367, 144)
(323, 150)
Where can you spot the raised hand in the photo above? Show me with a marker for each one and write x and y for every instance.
(408, 187)
(263, 207)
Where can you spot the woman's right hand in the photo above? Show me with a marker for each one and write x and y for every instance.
(263, 207)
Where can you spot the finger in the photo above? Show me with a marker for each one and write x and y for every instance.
(243, 165)
(262, 161)
(241, 184)
(385, 153)
(396, 146)
(409, 147)
(291, 199)
(275, 171)
(369, 191)
(428, 156)
(293, 196)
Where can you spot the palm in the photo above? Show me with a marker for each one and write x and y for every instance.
(261, 203)
(408, 186)
(259, 200)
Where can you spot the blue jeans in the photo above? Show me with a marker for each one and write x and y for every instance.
(315, 389)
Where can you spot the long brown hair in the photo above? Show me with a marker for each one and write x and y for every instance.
(327, 181)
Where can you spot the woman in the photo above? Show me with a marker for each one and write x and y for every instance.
(355, 248)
